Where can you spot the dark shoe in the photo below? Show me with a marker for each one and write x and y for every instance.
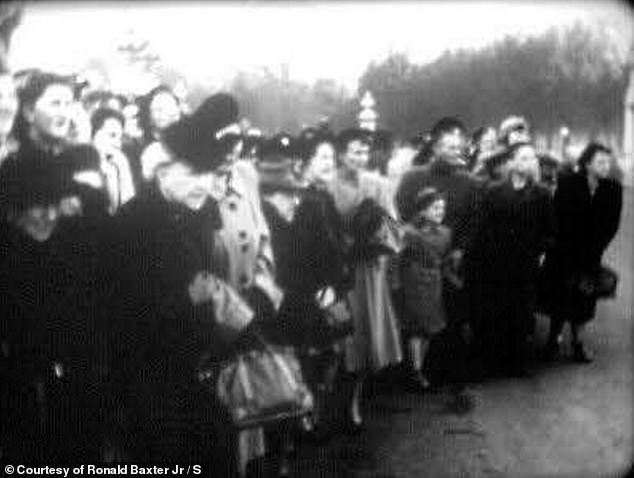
(581, 355)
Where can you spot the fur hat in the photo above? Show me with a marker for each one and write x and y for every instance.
(204, 138)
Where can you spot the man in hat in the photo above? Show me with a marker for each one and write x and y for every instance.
(446, 173)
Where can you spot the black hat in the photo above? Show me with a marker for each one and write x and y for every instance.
(309, 139)
(353, 134)
(276, 174)
(203, 138)
(425, 197)
(282, 144)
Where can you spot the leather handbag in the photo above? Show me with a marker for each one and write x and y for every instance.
(260, 383)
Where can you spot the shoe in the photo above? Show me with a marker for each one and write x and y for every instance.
(581, 355)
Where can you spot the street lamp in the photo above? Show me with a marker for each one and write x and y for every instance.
(368, 117)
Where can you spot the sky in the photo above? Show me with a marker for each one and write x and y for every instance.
(334, 40)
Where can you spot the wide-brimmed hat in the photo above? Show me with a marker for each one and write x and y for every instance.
(275, 166)
(204, 138)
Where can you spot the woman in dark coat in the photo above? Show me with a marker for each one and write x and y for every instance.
(314, 275)
(516, 228)
(588, 206)
(49, 315)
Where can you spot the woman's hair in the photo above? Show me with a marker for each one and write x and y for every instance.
(145, 114)
(102, 114)
(308, 148)
(588, 154)
(34, 86)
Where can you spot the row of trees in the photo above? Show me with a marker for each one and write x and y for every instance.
(572, 77)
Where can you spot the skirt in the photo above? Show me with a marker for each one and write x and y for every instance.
(375, 342)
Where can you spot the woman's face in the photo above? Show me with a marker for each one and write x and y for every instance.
(51, 114)
(8, 104)
(600, 165)
(164, 110)
(321, 167)
(525, 162)
(109, 136)
(39, 222)
(357, 155)
(488, 141)
(435, 212)
(451, 147)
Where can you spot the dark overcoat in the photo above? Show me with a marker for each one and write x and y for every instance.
(313, 257)
(587, 225)
(156, 334)
(516, 228)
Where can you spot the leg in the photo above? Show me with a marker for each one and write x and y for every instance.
(580, 352)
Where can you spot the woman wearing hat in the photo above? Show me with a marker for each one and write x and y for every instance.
(588, 205)
(315, 274)
(364, 200)
(50, 322)
(200, 221)
(516, 229)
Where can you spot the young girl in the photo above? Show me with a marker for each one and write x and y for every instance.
(424, 262)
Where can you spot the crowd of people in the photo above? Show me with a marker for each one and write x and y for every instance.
(135, 256)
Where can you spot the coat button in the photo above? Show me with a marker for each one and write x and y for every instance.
(242, 234)
(233, 206)
(244, 280)
(244, 247)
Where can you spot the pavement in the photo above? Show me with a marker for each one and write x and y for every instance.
(567, 420)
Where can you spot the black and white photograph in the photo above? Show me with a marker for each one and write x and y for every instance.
(365, 239)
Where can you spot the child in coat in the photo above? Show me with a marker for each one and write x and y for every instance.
(425, 262)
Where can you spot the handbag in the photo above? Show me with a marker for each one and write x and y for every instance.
(600, 284)
(260, 383)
